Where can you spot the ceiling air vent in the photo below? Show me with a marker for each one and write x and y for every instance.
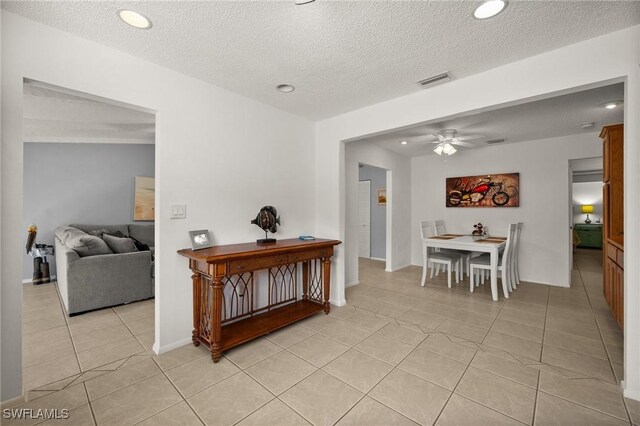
(436, 79)
(492, 141)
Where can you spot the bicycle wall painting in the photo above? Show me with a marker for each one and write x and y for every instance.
(497, 190)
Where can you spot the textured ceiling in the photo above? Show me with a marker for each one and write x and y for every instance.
(56, 115)
(547, 118)
(340, 55)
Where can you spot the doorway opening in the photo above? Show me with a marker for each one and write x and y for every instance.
(586, 211)
(372, 212)
(89, 212)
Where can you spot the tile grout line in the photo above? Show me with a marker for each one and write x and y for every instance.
(598, 327)
(366, 394)
(93, 414)
(64, 316)
(582, 405)
(454, 389)
(539, 378)
(131, 331)
(624, 403)
(184, 399)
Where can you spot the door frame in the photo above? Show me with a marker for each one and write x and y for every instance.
(368, 182)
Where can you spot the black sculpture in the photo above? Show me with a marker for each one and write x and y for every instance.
(268, 220)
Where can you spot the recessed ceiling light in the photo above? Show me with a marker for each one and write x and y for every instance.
(489, 9)
(299, 2)
(611, 105)
(135, 19)
(285, 88)
(403, 142)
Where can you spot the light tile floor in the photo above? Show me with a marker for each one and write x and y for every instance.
(398, 353)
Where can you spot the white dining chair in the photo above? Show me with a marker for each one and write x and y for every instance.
(452, 261)
(466, 255)
(515, 265)
(483, 263)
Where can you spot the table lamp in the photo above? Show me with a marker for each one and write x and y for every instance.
(587, 209)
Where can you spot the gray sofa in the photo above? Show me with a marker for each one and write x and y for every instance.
(98, 281)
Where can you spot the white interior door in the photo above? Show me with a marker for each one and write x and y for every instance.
(364, 218)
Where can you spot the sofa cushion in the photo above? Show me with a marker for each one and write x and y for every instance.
(142, 233)
(64, 232)
(111, 228)
(101, 232)
(118, 244)
(87, 245)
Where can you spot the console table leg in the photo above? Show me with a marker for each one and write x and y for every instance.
(305, 280)
(326, 272)
(197, 309)
(216, 318)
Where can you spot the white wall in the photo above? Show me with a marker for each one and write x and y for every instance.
(544, 199)
(378, 225)
(222, 154)
(398, 199)
(585, 193)
(612, 57)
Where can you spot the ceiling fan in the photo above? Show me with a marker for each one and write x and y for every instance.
(447, 139)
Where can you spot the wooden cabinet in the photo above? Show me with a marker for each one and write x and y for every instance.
(590, 235)
(614, 282)
(613, 219)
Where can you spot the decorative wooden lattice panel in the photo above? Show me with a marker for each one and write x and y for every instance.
(315, 280)
(238, 297)
(206, 303)
(283, 284)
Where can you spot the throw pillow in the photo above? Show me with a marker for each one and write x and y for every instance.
(141, 246)
(87, 245)
(119, 244)
(101, 232)
(65, 232)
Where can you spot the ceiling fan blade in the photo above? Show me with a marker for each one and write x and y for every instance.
(472, 137)
(423, 139)
(465, 144)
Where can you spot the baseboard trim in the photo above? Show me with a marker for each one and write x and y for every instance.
(378, 259)
(30, 280)
(340, 302)
(12, 402)
(631, 393)
(352, 283)
(397, 268)
(171, 346)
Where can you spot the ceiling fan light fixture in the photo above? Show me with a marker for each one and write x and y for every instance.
(438, 149)
(135, 19)
(489, 9)
(448, 149)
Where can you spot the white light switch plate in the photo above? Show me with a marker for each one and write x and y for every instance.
(178, 211)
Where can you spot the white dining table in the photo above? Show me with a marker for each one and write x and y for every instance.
(491, 245)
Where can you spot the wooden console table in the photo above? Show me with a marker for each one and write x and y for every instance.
(224, 295)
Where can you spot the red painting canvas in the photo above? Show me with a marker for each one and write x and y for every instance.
(501, 190)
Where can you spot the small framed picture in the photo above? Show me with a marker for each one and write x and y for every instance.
(382, 196)
(200, 239)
